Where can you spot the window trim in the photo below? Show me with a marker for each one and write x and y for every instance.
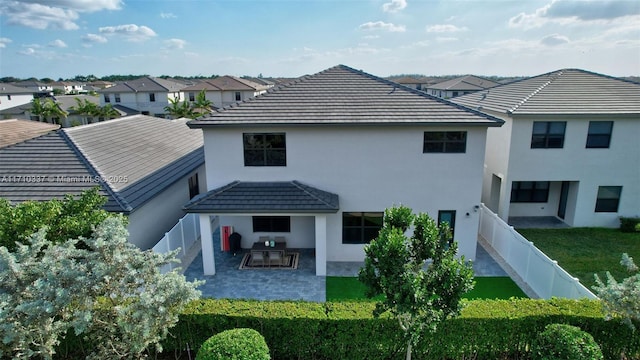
(444, 141)
(531, 198)
(265, 148)
(606, 207)
(607, 135)
(272, 224)
(361, 227)
(542, 140)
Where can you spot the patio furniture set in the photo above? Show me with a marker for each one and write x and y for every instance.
(268, 252)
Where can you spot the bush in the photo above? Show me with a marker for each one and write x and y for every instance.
(235, 344)
(630, 224)
(565, 342)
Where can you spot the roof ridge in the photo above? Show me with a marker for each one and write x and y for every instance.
(124, 205)
(303, 187)
(554, 76)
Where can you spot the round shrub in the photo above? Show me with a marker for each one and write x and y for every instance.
(565, 342)
(235, 344)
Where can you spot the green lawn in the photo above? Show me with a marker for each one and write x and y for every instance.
(349, 288)
(585, 251)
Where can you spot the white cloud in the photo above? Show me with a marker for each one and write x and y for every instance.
(443, 39)
(380, 25)
(131, 32)
(28, 51)
(394, 6)
(52, 14)
(568, 11)
(445, 28)
(168, 15)
(554, 39)
(175, 43)
(90, 39)
(58, 43)
(4, 41)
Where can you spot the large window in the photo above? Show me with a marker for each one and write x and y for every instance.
(360, 227)
(271, 224)
(548, 134)
(530, 191)
(265, 149)
(608, 198)
(599, 134)
(445, 142)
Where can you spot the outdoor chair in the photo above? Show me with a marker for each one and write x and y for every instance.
(275, 257)
(258, 257)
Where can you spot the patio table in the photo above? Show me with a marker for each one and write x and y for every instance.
(279, 246)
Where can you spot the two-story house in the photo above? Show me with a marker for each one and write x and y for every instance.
(225, 90)
(148, 95)
(459, 86)
(69, 87)
(37, 88)
(146, 168)
(318, 161)
(569, 148)
(12, 96)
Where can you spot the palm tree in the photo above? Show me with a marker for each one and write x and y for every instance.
(86, 107)
(47, 109)
(179, 109)
(108, 112)
(202, 105)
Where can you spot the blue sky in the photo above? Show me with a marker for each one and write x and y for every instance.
(64, 38)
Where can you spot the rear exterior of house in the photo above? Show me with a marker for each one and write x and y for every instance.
(318, 161)
(568, 149)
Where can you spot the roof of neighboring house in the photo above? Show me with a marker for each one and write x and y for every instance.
(65, 102)
(227, 83)
(132, 159)
(410, 80)
(10, 89)
(467, 82)
(567, 91)
(342, 95)
(13, 131)
(145, 84)
(265, 197)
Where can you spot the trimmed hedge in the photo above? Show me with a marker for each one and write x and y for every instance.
(629, 224)
(486, 329)
(234, 344)
(565, 342)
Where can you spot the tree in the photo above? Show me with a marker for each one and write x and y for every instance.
(47, 109)
(419, 277)
(110, 293)
(202, 105)
(85, 107)
(179, 109)
(621, 298)
(68, 218)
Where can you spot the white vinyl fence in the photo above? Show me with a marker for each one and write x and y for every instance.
(183, 235)
(541, 273)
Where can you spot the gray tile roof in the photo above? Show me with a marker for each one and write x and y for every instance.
(10, 89)
(14, 131)
(468, 82)
(145, 84)
(567, 91)
(138, 156)
(342, 95)
(227, 83)
(265, 197)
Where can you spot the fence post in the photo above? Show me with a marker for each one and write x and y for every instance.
(184, 251)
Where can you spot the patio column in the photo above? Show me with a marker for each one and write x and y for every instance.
(206, 238)
(321, 245)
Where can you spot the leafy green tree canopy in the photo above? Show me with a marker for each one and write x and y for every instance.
(419, 276)
(108, 292)
(66, 219)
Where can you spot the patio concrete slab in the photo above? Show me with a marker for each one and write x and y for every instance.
(536, 222)
(299, 284)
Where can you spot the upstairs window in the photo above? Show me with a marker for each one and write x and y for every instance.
(238, 96)
(445, 142)
(117, 96)
(194, 186)
(9, 97)
(548, 134)
(360, 227)
(530, 191)
(106, 98)
(599, 135)
(268, 149)
(608, 198)
(152, 97)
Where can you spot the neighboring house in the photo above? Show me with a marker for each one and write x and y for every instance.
(37, 88)
(320, 159)
(99, 84)
(148, 95)
(225, 90)
(14, 131)
(569, 148)
(148, 169)
(412, 82)
(12, 96)
(69, 87)
(459, 86)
